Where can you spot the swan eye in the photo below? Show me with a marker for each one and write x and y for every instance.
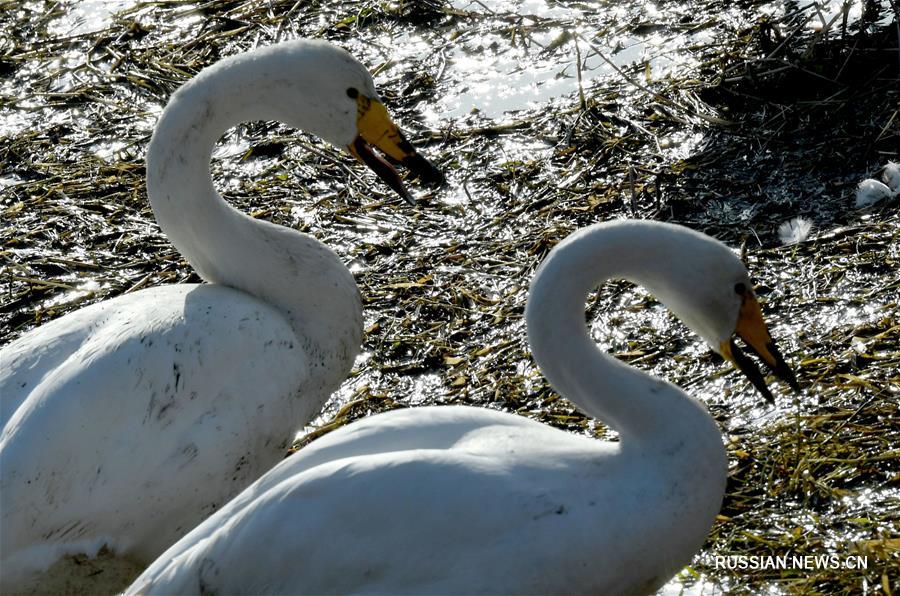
(352, 93)
(740, 289)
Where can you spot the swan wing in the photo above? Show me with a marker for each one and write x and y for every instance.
(426, 428)
(406, 522)
(419, 500)
(130, 421)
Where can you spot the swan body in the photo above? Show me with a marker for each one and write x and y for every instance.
(90, 470)
(128, 422)
(462, 500)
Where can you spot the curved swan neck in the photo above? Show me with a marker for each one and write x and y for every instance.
(638, 405)
(289, 270)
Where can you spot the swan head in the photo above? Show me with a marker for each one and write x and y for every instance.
(375, 128)
(344, 109)
(707, 286)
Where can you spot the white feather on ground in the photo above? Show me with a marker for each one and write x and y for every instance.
(870, 191)
(794, 230)
(891, 176)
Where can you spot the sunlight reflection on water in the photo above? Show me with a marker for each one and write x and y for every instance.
(88, 16)
(535, 58)
(78, 292)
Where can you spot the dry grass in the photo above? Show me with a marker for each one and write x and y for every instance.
(788, 122)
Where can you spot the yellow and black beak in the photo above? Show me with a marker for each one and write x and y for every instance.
(376, 129)
(752, 329)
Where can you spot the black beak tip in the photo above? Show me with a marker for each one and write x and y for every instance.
(383, 169)
(791, 380)
(752, 372)
(424, 170)
(781, 369)
(760, 384)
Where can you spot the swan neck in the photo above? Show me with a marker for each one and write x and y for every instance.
(284, 268)
(636, 404)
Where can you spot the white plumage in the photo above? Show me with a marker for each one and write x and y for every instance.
(794, 230)
(461, 500)
(128, 422)
(870, 191)
(891, 176)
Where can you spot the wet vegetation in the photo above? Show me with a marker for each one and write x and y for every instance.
(728, 117)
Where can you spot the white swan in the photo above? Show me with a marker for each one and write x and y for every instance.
(128, 422)
(461, 500)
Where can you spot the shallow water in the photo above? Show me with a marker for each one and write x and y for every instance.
(493, 94)
(87, 16)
